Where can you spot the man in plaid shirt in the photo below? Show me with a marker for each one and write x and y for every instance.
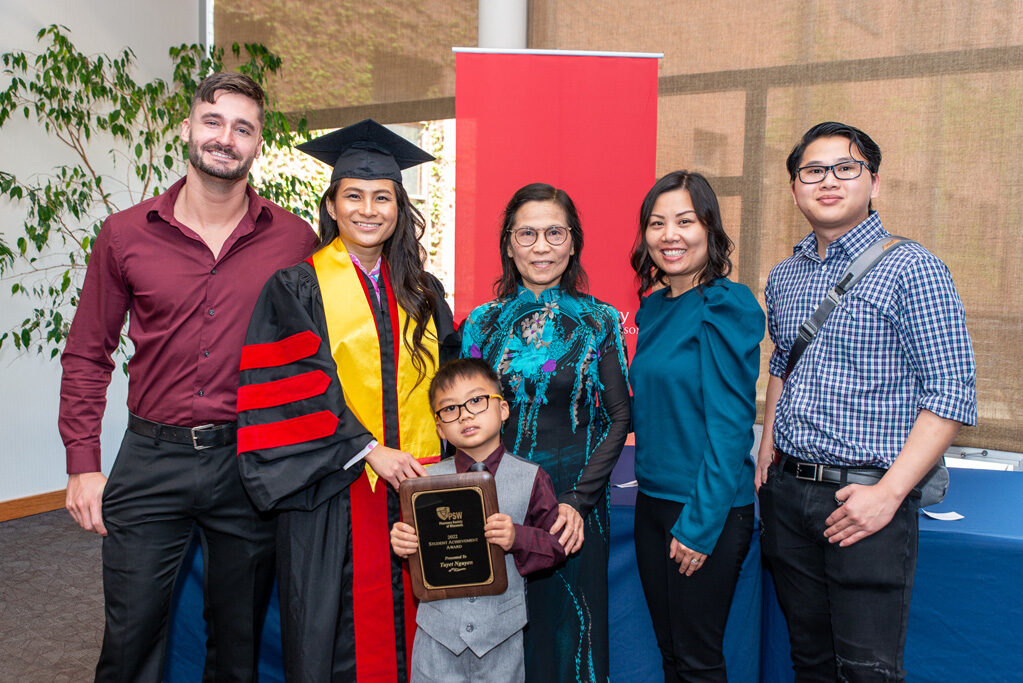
(873, 403)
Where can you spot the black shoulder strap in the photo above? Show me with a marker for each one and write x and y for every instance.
(857, 269)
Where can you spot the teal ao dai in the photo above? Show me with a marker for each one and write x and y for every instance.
(563, 370)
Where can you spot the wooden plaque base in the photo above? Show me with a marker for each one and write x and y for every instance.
(454, 559)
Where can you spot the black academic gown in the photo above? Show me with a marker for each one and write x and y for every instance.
(306, 482)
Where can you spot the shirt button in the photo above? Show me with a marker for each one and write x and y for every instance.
(206, 353)
(202, 393)
(211, 311)
(470, 628)
(472, 599)
(213, 272)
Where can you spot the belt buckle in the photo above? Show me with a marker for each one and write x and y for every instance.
(815, 471)
(195, 442)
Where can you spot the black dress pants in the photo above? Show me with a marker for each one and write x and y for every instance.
(846, 608)
(689, 613)
(158, 493)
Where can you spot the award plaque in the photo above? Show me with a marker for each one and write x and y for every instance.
(454, 559)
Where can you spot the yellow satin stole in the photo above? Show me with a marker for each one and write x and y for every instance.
(355, 346)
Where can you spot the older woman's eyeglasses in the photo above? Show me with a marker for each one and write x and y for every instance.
(474, 406)
(526, 236)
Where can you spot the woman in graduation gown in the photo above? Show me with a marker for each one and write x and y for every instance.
(334, 413)
(563, 367)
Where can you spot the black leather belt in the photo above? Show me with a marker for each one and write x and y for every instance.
(828, 474)
(200, 438)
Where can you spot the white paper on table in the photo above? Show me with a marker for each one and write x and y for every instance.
(943, 516)
(627, 485)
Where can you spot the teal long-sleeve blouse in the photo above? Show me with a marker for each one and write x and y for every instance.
(694, 403)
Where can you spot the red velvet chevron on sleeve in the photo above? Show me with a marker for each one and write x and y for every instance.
(279, 392)
(287, 432)
(287, 350)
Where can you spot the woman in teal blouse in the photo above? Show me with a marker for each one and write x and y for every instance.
(694, 401)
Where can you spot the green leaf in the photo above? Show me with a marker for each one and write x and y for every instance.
(98, 98)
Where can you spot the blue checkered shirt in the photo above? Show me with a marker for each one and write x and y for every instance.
(895, 344)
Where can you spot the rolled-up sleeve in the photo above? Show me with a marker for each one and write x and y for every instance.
(932, 326)
(779, 356)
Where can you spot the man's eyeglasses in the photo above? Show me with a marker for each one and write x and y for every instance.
(846, 170)
(526, 236)
(474, 406)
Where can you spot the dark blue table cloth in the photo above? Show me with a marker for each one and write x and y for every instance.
(186, 646)
(966, 614)
(634, 653)
(965, 619)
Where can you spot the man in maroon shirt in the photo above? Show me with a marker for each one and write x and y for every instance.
(188, 266)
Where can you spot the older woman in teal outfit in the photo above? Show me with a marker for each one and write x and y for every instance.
(563, 368)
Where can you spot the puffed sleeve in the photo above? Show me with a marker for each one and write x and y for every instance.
(295, 432)
(731, 329)
(615, 404)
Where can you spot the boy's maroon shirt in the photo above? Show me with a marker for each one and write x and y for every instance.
(534, 547)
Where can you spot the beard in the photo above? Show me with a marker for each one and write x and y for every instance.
(236, 172)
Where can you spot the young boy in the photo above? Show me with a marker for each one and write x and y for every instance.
(480, 638)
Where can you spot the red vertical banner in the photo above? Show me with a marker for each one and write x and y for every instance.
(583, 122)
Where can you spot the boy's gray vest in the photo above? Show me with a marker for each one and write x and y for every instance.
(480, 623)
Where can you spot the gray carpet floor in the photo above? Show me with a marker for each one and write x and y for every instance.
(51, 600)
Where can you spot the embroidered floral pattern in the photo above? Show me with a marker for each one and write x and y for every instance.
(550, 352)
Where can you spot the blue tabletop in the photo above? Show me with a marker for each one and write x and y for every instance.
(966, 611)
(965, 616)
(990, 501)
(624, 472)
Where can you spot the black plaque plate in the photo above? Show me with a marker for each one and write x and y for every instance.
(454, 558)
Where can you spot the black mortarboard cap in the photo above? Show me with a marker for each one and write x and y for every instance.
(365, 150)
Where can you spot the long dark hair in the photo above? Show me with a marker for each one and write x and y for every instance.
(705, 203)
(405, 257)
(573, 280)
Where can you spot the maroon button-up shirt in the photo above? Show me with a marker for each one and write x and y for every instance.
(534, 547)
(188, 315)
